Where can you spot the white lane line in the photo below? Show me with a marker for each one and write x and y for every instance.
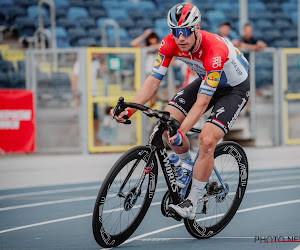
(61, 201)
(271, 189)
(46, 222)
(56, 191)
(283, 178)
(48, 203)
(150, 233)
(97, 187)
(239, 211)
(157, 190)
(269, 173)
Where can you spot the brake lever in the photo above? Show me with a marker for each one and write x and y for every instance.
(116, 110)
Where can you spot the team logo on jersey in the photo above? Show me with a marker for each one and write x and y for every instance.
(213, 79)
(216, 62)
(162, 44)
(158, 61)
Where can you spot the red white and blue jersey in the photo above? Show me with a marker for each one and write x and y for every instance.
(216, 61)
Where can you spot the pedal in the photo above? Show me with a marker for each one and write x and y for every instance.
(174, 215)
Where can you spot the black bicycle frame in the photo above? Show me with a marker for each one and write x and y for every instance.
(157, 146)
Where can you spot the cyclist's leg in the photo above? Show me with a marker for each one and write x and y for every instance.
(209, 137)
(225, 111)
(228, 104)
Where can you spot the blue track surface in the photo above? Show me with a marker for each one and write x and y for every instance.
(59, 217)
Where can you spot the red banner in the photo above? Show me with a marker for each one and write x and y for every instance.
(17, 124)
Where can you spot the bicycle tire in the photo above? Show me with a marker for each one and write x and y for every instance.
(200, 227)
(110, 207)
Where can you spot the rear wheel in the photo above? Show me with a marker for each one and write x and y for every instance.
(124, 197)
(214, 213)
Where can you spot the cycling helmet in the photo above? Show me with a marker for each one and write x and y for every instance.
(183, 15)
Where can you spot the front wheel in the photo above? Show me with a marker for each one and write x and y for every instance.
(214, 213)
(124, 197)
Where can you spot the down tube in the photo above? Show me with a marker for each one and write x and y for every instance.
(168, 174)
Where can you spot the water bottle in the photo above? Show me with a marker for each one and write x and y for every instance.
(176, 165)
(186, 168)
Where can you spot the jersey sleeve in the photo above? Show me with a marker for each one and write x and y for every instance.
(213, 65)
(164, 58)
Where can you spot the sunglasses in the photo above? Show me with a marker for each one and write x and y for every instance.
(184, 31)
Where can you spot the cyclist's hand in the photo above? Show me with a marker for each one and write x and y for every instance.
(122, 117)
(176, 140)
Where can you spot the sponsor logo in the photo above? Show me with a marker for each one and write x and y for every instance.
(183, 54)
(220, 111)
(200, 54)
(179, 107)
(181, 100)
(162, 44)
(158, 61)
(248, 94)
(154, 132)
(169, 171)
(240, 107)
(243, 172)
(236, 67)
(179, 94)
(201, 230)
(179, 8)
(243, 175)
(217, 62)
(10, 119)
(206, 92)
(151, 185)
(106, 237)
(199, 61)
(213, 79)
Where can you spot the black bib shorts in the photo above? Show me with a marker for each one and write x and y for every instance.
(227, 102)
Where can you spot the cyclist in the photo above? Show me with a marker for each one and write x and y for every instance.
(223, 84)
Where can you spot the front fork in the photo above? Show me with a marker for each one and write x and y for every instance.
(137, 188)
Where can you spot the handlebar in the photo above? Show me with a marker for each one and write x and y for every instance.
(173, 124)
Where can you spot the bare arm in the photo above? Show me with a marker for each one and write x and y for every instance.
(137, 41)
(258, 46)
(74, 84)
(74, 81)
(147, 90)
(144, 94)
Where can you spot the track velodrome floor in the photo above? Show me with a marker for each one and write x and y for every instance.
(46, 202)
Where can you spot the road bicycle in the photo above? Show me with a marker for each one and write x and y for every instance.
(128, 189)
